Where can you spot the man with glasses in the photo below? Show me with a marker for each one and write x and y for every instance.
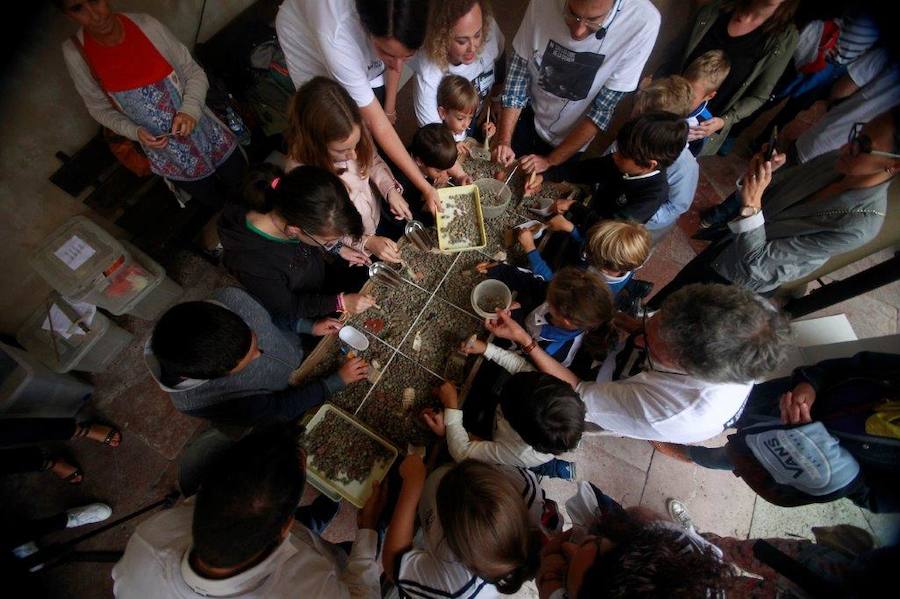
(572, 61)
(684, 373)
(790, 225)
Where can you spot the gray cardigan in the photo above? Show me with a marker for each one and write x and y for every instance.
(791, 237)
(190, 74)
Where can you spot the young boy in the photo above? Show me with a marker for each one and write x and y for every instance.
(436, 155)
(538, 417)
(630, 183)
(705, 74)
(457, 101)
(224, 359)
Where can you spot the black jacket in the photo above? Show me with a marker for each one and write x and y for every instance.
(287, 278)
(615, 196)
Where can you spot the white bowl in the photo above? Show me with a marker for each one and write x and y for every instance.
(491, 288)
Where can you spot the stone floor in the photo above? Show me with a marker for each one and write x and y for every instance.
(144, 468)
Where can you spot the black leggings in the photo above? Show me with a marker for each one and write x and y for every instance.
(20, 431)
(224, 184)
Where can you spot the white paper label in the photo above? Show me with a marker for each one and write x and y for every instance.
(63, 325)
(74, 252)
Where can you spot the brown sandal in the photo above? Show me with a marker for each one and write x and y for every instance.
(69, 478)
(84, 430)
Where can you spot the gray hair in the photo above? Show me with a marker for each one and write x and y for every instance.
(724, 333)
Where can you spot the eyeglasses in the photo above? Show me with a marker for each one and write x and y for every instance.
(592, 23)
(325, 246)
(860, 143)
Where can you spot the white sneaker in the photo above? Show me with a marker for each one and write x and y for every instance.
(88, 514)
(679, 514)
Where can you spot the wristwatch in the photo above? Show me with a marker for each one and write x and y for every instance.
(747, 211)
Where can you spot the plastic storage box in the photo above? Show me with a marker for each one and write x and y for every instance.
(92, 351)
(85, 263)
(28, 388)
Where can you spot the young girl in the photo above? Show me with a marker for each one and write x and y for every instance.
(326, 130)
(279, 248)
(482, 527)
(575, 310)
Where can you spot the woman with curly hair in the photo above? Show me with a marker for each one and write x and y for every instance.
(462, 39)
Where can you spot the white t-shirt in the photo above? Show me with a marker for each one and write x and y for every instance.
(155, 565)
(566, 75)
(430, 569)
(325, 37)
(879, 81)
(481, 73)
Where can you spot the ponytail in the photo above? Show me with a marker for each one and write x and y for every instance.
(260, 180)
(314, 200)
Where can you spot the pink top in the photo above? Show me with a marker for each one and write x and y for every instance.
(360, 192)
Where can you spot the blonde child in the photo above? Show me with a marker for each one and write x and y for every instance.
(457, 101)
(481, 534)
(705, 74)
(326, 130)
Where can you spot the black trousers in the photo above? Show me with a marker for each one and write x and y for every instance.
(223, 185)
(698, 270)
(19, 431)
(526, 140)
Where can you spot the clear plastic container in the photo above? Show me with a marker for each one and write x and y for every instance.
(85, 263)
(28, 388)
(92, 351)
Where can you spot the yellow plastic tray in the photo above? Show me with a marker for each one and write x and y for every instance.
(356, 492)
(448, 204)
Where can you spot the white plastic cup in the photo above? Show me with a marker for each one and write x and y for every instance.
(491, 288)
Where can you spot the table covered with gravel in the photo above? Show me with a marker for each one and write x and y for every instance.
(327, 358)
(342, 452)
(425, 269)
(399, 307)
(481, 169)
(394, 405)
(501, 237)
(457, 286)
(440, 329)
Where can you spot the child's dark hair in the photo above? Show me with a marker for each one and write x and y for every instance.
(258, 183)
(485, 523)
(200, 340)
(314, 200)
(583, 298)
(403, 20)
(433, 144)
(546, 412)
(659, 136)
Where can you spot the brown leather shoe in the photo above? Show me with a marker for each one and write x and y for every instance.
(673, 450)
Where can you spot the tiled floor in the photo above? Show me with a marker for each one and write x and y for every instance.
(144, 468)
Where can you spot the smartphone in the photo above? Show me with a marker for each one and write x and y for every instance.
(773, 144)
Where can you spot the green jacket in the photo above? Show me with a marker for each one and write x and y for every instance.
(755, 89)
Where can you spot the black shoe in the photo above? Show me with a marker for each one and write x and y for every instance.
(713, 233)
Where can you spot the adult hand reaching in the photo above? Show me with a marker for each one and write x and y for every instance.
(532, 163)
(503, 154)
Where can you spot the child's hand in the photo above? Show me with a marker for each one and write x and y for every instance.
(475, 347)
(384, 248)
(353, 256)
(356, 303)
(326, 326)
(560, 223)
(442, 179)
(448, 395)
(533, 185)
(482, 268)
(463, 149)
(435, 421)
(489, 129)
(353, 370)
(695, 133)
(561, 206)
(506, 328)
(465, 179)
(399, 207)
(412, 469)
(526, 239)
(709, 127)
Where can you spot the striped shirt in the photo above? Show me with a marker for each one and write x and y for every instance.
(859, 32)
(430, 570)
